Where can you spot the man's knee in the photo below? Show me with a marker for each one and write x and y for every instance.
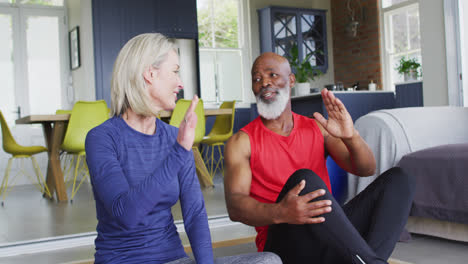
(397, 178)
(313, 181)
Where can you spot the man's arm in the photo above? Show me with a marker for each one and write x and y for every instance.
(342, 140)
(241, 207)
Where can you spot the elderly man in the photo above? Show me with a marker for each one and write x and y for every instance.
(277, 181)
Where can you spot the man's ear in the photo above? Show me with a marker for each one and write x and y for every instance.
(149, 74)
(292, 80)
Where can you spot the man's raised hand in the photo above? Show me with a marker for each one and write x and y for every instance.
(339, 123)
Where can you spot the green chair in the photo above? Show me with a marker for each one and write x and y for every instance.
(84, 116)
(176, 118)
(220, 132)
(20, 152)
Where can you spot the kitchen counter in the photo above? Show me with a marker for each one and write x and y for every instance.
(318, 94)
(358, 103)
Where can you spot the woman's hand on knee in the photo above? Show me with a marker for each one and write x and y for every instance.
(302, 209)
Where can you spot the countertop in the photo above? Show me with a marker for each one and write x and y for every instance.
(318, 94)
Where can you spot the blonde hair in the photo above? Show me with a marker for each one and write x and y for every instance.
(128, 87)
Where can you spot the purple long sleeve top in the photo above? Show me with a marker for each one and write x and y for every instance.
(136, 179)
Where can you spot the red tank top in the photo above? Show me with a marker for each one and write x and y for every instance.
(275, 157)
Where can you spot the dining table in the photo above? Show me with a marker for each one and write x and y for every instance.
(54, 127)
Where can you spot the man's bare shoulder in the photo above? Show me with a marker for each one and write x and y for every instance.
(239, 136)
(239, 142)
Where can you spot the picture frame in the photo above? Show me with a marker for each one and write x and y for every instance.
(74, 42)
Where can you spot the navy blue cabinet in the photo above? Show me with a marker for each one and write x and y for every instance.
(409, 94)
(281, 28)
(117, 21)
(357, 103)
(177, 18)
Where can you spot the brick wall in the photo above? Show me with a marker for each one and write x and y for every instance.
(356, 59)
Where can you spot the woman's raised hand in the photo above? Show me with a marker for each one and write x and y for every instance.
(186, 134)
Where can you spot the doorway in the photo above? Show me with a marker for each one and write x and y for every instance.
(33, 69)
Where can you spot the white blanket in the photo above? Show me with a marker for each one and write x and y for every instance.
(393, 133)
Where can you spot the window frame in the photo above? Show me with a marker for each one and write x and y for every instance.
(385, 40)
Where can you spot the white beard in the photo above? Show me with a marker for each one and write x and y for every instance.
(274, 109)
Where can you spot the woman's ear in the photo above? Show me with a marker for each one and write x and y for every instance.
(149, 74)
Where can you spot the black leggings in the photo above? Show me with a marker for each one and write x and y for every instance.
(366, 228)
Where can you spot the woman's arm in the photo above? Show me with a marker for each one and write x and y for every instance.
(194, 213)
(127, 204)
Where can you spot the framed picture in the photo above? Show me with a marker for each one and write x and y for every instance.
(74, 42)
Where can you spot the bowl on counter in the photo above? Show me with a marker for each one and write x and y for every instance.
(335, 87)
(314, 90)
(331, 87)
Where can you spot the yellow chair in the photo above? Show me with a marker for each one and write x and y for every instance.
(84, 117)
(220, 133)
(20, 152)
(176, 118)
(63, 112)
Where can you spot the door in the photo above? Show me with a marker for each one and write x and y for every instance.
(33, 69)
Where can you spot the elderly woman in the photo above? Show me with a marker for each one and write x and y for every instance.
(140, 166)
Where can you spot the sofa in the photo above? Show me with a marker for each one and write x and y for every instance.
(430, 144)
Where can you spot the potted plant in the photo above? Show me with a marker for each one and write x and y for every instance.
(303, 70)
(409, 68)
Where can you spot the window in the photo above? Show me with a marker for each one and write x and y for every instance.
(222, 51)
(33, 58)
(402, 37)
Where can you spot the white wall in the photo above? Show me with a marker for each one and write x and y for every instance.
(82, 79)
(329, 76)
(434, 65)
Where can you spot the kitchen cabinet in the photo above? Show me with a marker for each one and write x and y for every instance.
(117, 21)
(358, 103)
(283, 27)
(409, 94)
(177, 18)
